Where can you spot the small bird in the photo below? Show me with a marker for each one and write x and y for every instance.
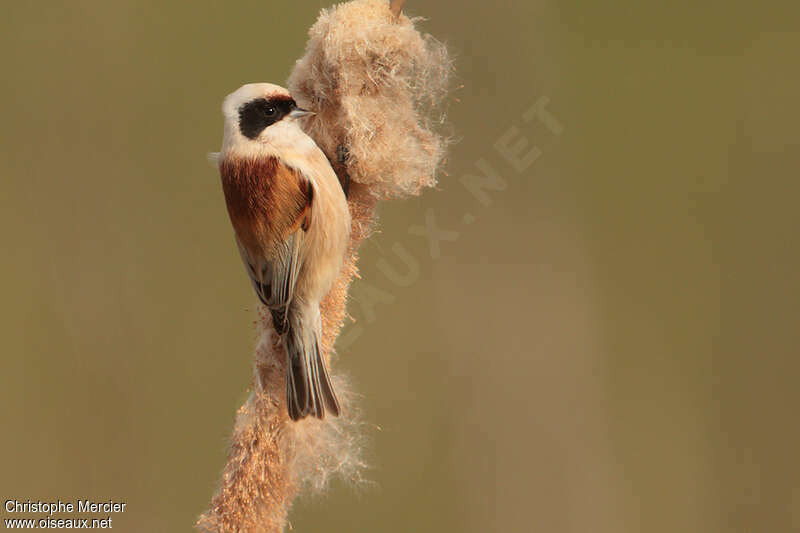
(291, 221)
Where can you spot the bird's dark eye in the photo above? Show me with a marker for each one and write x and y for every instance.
(270, 111)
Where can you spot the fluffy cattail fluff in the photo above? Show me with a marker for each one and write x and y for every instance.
(376, 84)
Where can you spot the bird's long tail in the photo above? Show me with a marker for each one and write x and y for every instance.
(309, 390)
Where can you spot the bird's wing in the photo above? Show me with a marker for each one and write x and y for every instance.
(274, 278)
(271, 215)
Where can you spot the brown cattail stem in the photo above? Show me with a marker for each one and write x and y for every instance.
(259, 481)
(396, 6)
(370, 125)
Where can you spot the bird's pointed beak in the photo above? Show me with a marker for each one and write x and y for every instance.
(300, 112)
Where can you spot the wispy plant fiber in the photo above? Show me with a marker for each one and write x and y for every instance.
(375, 83)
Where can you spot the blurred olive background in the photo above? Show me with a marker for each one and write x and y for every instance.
(609, 345)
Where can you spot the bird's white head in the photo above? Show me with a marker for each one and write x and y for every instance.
(261, 119)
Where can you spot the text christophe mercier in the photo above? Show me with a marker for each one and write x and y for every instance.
(61, 507)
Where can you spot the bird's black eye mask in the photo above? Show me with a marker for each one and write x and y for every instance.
(256, 115)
